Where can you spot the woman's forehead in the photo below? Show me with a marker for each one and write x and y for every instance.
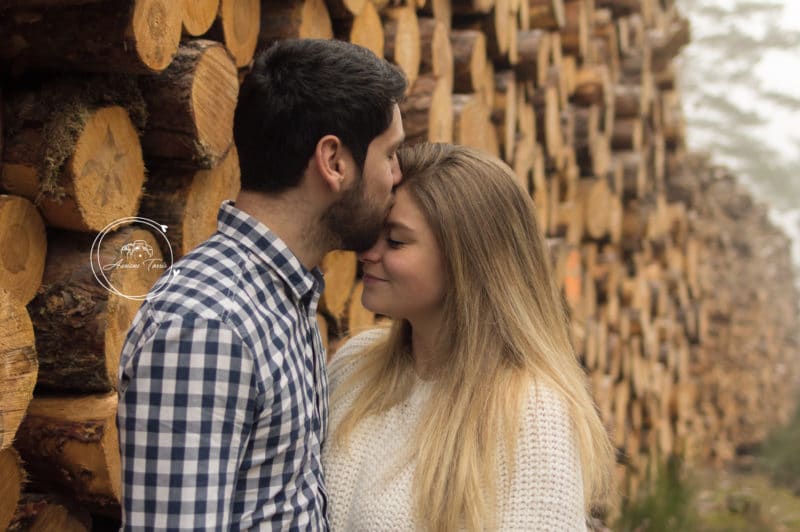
(405, 213)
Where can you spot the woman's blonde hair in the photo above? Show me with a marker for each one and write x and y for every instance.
(504, 327)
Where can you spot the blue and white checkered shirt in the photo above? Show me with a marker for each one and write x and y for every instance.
(223, 399)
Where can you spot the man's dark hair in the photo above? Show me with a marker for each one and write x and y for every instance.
(301, 90)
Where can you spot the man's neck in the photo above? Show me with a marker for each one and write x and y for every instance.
(290, 219)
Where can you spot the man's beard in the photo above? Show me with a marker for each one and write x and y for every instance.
(353, 223)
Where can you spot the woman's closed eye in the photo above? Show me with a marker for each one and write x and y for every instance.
(394, 244)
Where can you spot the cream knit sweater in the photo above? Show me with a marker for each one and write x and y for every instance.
(369, 491)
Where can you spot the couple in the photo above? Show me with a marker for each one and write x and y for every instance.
(470, 412)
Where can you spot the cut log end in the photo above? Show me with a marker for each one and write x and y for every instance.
(107, 172)
(214, 91)
(442, 53)
(358, 318)
(23, 245)
(339, 268)
(405, 48)
(240, 27)
(18, 366)
(473, 124)
(11, 487)
(428, 111)
(156, 28)
(367, 30)
(208, 190)
(316, 20)
(199, 15)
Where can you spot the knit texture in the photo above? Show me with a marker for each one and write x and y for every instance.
(369, 481)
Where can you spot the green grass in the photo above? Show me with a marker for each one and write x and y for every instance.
(765, 497)
(780, 455)
(667, 505)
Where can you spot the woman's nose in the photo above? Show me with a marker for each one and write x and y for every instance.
(373, 254)
(397, 174)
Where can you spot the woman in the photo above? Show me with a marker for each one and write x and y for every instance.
(471, 412)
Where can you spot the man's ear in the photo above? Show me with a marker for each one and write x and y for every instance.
(331, 161)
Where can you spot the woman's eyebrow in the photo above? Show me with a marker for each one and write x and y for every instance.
(392, 224)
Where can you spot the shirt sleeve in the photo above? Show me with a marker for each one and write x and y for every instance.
(546, 490)
(186, 403)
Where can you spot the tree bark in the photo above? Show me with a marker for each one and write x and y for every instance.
(190, 107)
(436, 51)
(628, 101)
(132, 36)
(575, 33)
(504, 112)
(628, 134)
(402, 40)
(496, 29)
(534, 56)
(634, 180)
(592, 85)
(469, 60)
(80, 160)
(472, 7)
(80, 324)
(295, 19)
(620, 8)
(72, 442)
(546, 14)
(48, 512)
(441, 10)
(344, 9)
(428, 111)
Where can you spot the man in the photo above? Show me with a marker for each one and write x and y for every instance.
(223, 390)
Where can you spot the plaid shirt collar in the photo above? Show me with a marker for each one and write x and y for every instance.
(265, 246)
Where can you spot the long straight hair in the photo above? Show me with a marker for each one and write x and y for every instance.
(504, 328)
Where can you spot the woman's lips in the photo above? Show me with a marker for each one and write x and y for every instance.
(371, 279)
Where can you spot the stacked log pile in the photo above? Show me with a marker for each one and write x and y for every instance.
(117, 151)
(745, 367)
(117, 110)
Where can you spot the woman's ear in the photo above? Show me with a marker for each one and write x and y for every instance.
(331, 161)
